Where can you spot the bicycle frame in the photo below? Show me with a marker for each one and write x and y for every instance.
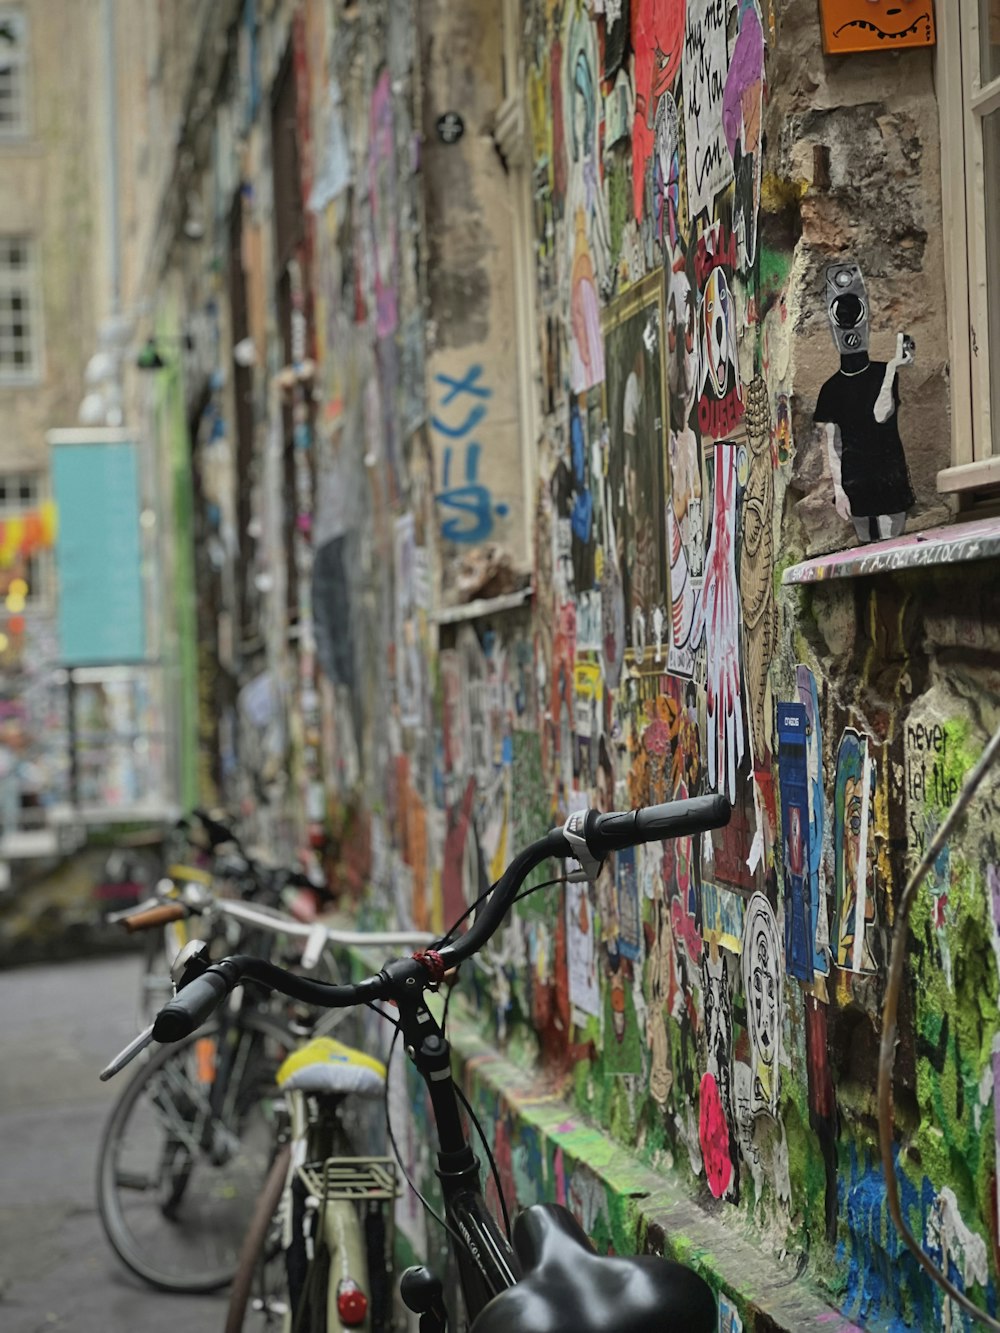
(486, 1263)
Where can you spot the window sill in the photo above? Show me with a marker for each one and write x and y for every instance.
(970, 476)
(936, 546)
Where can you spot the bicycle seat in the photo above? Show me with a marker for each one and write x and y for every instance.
(324, 1066)
(568, 1288)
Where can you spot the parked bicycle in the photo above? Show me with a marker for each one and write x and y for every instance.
(188, 1145)
(318, 1251)
(544, 1276)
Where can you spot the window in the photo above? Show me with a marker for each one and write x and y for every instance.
(21, 495)
(969, 84)
(13, 72)
(19, 311)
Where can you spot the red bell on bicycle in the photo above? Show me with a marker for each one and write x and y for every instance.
(352, 1303)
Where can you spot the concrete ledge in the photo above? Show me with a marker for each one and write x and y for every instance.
(937, 546)
(767, 1294)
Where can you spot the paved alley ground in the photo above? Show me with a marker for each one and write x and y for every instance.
(59, 1025)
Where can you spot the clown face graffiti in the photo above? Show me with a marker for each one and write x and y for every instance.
(876, 25)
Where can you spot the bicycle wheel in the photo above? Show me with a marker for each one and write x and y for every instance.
(260, 1272)
(175, 1178)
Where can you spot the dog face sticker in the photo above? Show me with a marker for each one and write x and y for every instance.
(719, 332)
(876, 25)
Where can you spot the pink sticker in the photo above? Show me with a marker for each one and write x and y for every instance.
(714, 1135)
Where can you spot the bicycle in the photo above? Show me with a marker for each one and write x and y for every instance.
(189, 1142)
(320, 1187)
(544, 1276)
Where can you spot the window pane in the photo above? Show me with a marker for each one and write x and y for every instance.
(989, 40)
(18, 331)
(991, 174)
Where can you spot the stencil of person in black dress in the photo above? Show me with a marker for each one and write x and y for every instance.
(859, 408)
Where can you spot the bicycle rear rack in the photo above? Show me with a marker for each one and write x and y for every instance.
(357, 1178)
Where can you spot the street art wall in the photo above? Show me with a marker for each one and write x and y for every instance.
(698, 179)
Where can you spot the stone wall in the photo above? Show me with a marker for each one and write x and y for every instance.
(710, 1009)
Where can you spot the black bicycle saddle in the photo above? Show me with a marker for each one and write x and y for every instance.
(568, 1288)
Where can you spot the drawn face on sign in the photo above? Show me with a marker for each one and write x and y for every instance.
(877, 25)
(760, 963)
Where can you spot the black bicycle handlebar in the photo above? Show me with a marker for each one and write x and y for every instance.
(195, 1003)
(589, 836)
(654, 823)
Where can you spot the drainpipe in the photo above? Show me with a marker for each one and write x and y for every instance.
(111, 139)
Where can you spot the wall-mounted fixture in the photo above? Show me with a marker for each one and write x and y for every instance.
(150, 359)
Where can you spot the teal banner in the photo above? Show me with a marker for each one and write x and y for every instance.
(101, 617)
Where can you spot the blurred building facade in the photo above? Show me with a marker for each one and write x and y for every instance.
(503, 347)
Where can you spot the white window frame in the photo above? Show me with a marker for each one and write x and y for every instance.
(27, 282)
(22, 127)
(963, 103)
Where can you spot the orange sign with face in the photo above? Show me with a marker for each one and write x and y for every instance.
(876, 25)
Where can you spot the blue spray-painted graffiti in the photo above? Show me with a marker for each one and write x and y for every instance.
(471, 503)
(882, 1278)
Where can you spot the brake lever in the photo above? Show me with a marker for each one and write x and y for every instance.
(125, 1056)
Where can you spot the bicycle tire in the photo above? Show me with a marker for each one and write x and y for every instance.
(164, 1110)
(265, 1208)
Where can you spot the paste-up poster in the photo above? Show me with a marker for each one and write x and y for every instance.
(792, 765)
(629, 918)
(409, 663)
(705, 65)
(581, 954)
(854, 851)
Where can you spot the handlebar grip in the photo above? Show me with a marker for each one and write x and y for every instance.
(155, 916)
(191, 1006)
(675, 819)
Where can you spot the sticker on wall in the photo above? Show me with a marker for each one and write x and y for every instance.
(858, 407)
(720, 621)
(854, 851)
(721, 917)
(623, 1041)
(729, 1316)
(587, 234)
(760, 613)
(581, 951)
(876, 25)
(760, 964)
(793, 736)
(705, 67)
(820, 925)
(635, 415)
(742, 117)
(720, 405)
(657, 41)
(629, 918)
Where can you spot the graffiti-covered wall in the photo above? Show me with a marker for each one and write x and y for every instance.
(729, 265)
